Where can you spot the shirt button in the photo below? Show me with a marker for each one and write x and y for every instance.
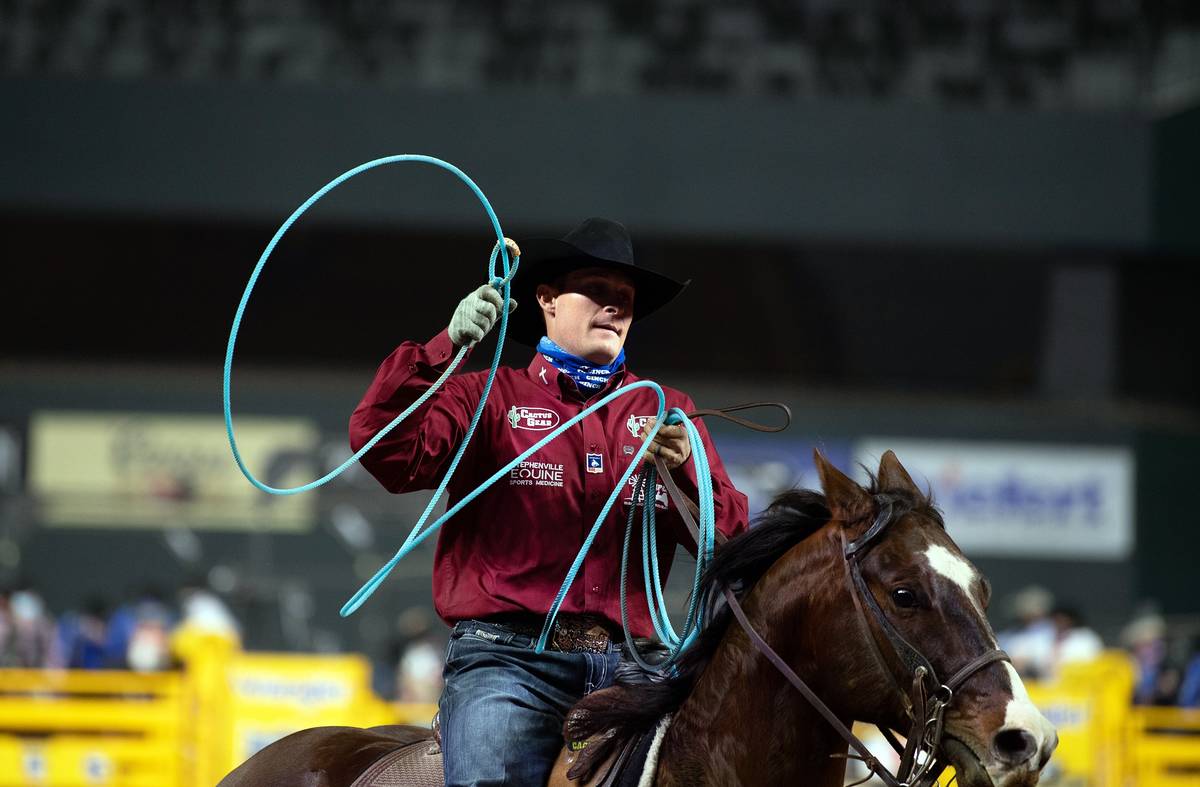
(412, 367)
(595, 588)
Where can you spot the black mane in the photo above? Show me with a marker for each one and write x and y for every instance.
(628, 709)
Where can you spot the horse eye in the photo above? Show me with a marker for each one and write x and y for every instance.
(904, 598)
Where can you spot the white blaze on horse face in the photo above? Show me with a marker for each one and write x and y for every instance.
(1022, 714)
(955, 569)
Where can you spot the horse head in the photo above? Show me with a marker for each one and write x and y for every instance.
(862, 595)
(927, 597)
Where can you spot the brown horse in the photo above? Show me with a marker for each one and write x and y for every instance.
(734, 719)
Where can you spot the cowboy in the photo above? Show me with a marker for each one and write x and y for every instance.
(501, 560)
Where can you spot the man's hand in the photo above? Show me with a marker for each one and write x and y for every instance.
(671, 443)
(476, 314)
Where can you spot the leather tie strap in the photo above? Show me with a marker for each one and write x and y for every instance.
(688, 510)
(754, 426)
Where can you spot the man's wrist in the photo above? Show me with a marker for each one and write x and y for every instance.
(440, 349)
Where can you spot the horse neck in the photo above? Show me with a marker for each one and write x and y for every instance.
(744, 723)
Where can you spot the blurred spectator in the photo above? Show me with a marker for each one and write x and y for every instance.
(1189, 689)
(205, 612)
(1157, 680)
(419, 667)
(1073, 641)
(138, 634)
(27, 636)
(84, 635)
(1032, 641)
(206, 619)
(149, 644)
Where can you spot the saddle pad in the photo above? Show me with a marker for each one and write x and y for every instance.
(415, 765)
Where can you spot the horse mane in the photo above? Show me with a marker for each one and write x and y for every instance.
(628, 708)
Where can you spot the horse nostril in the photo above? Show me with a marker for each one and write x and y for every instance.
(1047, 751)
(1015, 746)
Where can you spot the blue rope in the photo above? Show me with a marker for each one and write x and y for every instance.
(656, 602)
(501, 283)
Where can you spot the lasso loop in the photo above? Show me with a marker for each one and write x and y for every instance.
(502, 280)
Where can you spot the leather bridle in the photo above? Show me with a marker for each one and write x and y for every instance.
(925, 703)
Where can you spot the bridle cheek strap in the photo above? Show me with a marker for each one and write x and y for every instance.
(906, 699)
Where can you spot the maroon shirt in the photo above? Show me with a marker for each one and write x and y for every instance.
(510, 549)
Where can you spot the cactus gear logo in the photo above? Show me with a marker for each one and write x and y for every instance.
(636, 423)
(535, 419)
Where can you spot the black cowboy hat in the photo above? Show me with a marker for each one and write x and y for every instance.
(596, 243)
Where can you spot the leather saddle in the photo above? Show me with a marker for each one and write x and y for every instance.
(414, 765)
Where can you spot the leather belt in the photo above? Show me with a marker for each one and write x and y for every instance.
(572, 633)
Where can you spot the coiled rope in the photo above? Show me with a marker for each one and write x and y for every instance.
(656, 602)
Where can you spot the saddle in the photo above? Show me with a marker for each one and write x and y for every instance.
(414, 765)
(420, 765)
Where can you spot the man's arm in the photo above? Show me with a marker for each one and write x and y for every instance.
(416, 453)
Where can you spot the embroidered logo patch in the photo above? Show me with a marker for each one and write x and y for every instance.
(661, 500)
(535, 419)
(635, 424)
(536, 474)
(595, 463)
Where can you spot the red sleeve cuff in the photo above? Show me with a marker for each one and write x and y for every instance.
(439, 350)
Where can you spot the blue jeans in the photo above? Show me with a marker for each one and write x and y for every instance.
(503, 706)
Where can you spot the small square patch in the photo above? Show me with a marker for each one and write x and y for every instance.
(595, 463)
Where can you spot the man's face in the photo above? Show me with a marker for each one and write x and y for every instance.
(588, 313)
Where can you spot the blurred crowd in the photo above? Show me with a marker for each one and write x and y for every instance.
(1046, 636)
(135, 634)
(1049, 53)
(138, 634)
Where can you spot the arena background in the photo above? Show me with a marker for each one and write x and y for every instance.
(969, 221)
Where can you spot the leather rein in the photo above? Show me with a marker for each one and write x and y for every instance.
(925, 702)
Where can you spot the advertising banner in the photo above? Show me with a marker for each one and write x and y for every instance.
(275, 694)
(762, 466)
(1024, 499)
(153, 470)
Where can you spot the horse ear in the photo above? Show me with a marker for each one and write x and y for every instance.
(893, 477)
(843, 495)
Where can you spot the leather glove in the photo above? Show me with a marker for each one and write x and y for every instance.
(477, 313)
(671, 443)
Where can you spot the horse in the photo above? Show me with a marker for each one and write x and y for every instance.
(839, 607)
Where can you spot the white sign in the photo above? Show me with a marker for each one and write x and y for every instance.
(1023, 499)
(123, 469)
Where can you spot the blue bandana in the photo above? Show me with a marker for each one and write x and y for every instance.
(587, 375)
